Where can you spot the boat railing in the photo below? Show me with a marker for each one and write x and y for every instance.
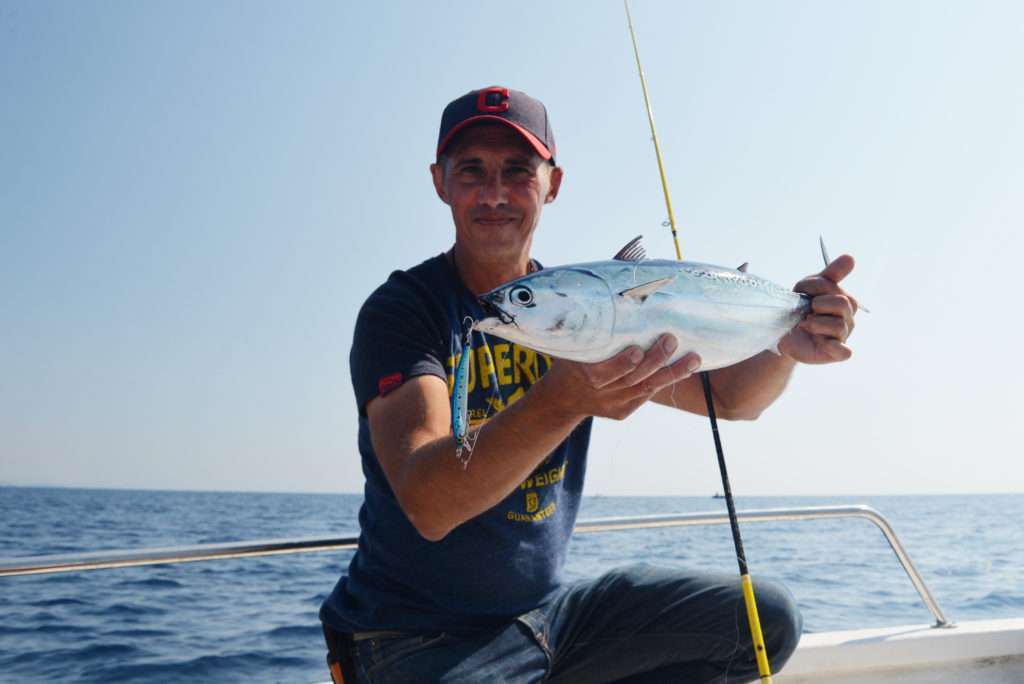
(203, 552)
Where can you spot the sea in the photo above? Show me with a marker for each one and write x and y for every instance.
(256, 619)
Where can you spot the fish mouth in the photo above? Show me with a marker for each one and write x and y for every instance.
(489, 303)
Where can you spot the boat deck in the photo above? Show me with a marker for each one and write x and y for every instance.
(981, 652)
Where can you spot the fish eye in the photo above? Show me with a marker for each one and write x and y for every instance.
(521, 295)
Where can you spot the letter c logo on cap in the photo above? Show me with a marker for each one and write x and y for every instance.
(492, 100)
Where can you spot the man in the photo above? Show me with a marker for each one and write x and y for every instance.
(456, 578)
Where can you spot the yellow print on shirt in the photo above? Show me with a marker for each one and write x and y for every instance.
(532, 498)
(544, 478)
(508, 365)
(537, 517)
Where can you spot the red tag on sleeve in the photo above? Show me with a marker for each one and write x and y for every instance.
(389, 383)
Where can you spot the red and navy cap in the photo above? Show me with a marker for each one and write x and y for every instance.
(510, 107)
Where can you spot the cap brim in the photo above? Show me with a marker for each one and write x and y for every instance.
(534, 141)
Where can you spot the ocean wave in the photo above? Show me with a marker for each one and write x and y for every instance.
(994, 600)
(123, 610)
(63, 578)
(313, 631)
(61, 549)
(65, 601)
(139, 633)
(248, 666)
(815, 580)
(219, 539)
(42, 616)
(974, 568)
(152, 583)
(79, 656)
(105, 652)
(26, 660)
(50, 628)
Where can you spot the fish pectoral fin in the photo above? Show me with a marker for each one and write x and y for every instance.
(742, 268)
(632, 251)
(642, 292)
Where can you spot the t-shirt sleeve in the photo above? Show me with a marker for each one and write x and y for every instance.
(398, 336)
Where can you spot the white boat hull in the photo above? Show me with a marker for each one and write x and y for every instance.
(979, 652)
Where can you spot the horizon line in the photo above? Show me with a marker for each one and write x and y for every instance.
(591, 495)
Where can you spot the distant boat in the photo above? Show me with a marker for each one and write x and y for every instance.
(718, 496)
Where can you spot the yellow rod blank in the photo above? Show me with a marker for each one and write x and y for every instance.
(760, 652)
(654, 135)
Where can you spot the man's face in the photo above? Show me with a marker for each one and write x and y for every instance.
(496, 186)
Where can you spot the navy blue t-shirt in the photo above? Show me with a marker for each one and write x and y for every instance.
(502, 563)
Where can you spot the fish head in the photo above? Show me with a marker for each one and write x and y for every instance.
(565, 312)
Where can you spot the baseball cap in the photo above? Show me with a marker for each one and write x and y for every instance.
(510, 107)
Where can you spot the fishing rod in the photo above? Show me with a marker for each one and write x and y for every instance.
(760, 653)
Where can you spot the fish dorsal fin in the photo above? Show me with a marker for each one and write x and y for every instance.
(743, 267)
(632, 251)
(642, 292)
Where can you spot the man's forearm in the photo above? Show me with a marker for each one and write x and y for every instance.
(746, 389)
(509, 447)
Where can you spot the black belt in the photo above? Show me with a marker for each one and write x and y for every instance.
(340, 655)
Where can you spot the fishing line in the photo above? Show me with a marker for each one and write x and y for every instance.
(764, 669)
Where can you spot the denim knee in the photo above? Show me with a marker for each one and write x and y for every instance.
(781, 620)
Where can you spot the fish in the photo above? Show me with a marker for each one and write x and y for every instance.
(589, 312)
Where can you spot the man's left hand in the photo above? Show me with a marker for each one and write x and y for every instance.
(821, 336)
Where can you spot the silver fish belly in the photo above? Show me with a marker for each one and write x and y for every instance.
(589, 312)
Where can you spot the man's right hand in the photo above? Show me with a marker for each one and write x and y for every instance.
(618, 386)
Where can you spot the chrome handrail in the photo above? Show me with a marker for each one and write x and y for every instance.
(184, 554)
(103, 560)
(781, 514)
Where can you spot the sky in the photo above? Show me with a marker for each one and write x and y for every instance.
(196, 198)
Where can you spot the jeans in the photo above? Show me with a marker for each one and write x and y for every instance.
(639, 624)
